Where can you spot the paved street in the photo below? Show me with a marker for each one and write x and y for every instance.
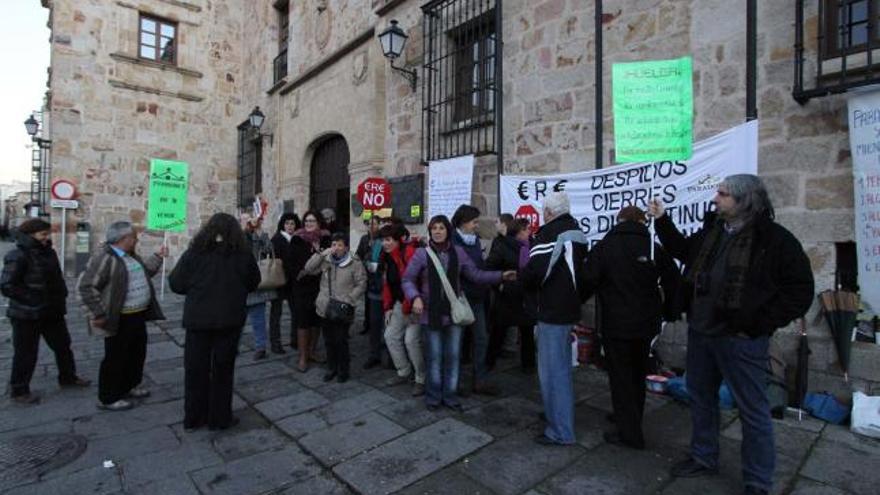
(299, 435)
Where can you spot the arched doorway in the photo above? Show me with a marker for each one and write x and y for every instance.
(330, 181)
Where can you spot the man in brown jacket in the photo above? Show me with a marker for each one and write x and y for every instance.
(118, 297)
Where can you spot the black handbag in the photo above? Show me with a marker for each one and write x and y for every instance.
(336, 310)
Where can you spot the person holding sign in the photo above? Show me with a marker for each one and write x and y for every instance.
(215, 273)
(117, 293)
(432, 282)
(620, 270)
(745, 276)
(553, 280)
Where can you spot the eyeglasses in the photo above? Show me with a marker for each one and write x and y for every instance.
(310, 220)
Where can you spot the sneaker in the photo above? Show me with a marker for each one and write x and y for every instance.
(418, 390)
(689, 468)
(138, 393)
(277, 349)
(259, 355)
(120, 405)
(397, 380)
(26, 399)
(372, 363)
(76, 383)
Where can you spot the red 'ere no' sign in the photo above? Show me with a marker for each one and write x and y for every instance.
(374, 193)
(531, 214)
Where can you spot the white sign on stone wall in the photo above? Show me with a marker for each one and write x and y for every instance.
(685, 186)
(864, 141)
(450, 183)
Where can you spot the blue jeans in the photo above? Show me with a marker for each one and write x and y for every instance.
(257, 316)
(481, 341)
(443, 350)
(554, 374)
(743, 364)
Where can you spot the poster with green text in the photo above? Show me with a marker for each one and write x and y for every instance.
(169, 183)
(653, 110)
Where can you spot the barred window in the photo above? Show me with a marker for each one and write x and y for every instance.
(250, 167)
(848, 24)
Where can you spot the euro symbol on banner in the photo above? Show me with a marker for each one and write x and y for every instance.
(560, 186)
(523, 190)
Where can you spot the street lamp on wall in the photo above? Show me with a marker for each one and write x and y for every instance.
(393, 39)
(32, 126)
(256, 119)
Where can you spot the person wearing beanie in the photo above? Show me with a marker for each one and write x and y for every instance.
(620, 271)
(34, 284)
(465, 236)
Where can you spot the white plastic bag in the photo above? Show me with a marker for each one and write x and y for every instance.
(574, 351)
(866, 415)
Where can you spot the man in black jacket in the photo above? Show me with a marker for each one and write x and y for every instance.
(555, 279)
(34, 284)
(624, 275)
(745, 276)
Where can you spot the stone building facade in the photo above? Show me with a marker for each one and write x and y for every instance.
(316, 70)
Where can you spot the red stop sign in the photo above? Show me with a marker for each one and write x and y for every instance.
(374, 193)
(529, 213)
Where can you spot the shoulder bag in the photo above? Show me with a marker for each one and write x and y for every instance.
(271, 273)
(336, 310)
(459, 308)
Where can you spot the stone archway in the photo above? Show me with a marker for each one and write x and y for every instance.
(329, 182)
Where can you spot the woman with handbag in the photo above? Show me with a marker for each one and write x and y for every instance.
(432, 282)
(307, 241)
(215, 273)
(271, 278)
(281, 246)
(343, 282)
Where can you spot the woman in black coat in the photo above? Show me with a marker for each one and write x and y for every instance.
(310, 239)
(511, 252)
(281, 246)
(215, 274)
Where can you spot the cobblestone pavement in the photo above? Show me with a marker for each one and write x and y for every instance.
(299, 435)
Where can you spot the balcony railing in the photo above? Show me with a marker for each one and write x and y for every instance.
(843, 55)
(279, 66)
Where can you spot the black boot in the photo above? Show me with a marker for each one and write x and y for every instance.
(332, 363)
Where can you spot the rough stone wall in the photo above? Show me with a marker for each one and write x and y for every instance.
(111, 113)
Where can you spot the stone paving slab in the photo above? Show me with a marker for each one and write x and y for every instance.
(504, 416)
(258, 473)
(290, 405)
(238, 443)
(446, 482)
(165, 471)
(302, 424)
(809, 487)
(143, 417)
(163, 350)
(268, 388)
(611, 470)
(94, 481)
(254, 372)
(835, 463)
(344, 440)
(411, 457)
(322, 484)
(353, 407)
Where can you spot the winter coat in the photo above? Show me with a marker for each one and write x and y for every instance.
(349, 280)
(415, 279)
(300, 252)
(401, 258)
(32, 280)
(619, 269)
(476, 293)
(283, 250)
(557, 298)
(216, 285)
(508, 310)
(779, 284)
(104, 283)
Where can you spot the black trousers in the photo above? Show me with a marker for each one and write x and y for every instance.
(26, 347)
(526, 345)
(276, 307)
(209, 369)
(122, 368)
(627, 363)
(336, 342)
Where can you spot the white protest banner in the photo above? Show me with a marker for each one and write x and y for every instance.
(449, 184)
(864, 142)
(685, 186)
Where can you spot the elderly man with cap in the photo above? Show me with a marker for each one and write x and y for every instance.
(622, 272)
(119, 299)
(34, 284)
(555, 289)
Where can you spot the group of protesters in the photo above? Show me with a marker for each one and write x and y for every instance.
(434, 302)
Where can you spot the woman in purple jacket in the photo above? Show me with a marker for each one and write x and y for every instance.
(422, 286)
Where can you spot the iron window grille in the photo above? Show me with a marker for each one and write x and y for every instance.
(461, 90)
(845, 45)
(250, 159)
(279, 65)
(157, 39)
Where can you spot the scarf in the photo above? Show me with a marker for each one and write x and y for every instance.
(737, 263)
(438, 303)
(285, 235)
(312, 236)
(469, 239)
(337, 261)
(392, 274)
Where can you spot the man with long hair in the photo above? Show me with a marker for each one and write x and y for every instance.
(745, 276)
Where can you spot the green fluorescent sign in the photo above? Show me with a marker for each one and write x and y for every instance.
(169, 183)
(653, 110)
